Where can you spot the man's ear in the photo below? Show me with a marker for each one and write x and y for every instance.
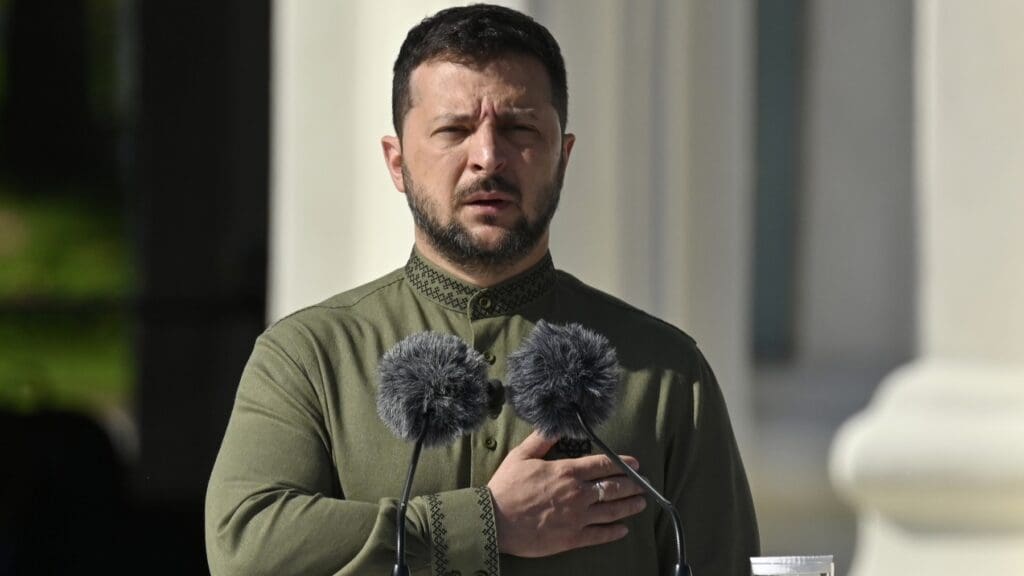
(393, 158)
(568, 140)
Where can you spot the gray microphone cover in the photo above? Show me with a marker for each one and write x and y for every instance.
(559, 371)
(433, 383)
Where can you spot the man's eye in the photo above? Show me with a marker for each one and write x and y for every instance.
(451, 130)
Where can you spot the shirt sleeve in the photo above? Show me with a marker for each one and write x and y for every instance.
(274, 504)
(709, 485)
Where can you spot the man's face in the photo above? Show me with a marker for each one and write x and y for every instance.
(481, 159)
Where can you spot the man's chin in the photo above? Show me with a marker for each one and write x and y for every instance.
(488, 250)
(490, 242)
(483, 245)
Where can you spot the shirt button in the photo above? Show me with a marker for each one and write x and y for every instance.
(489, 357)
(485, 302)
(491, 443)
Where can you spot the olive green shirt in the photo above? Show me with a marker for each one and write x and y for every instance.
(308, 478)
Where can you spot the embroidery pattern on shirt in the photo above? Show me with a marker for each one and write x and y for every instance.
(489, 531)
(499, 300)
(437, 286)
(438, 534)
(507, 297)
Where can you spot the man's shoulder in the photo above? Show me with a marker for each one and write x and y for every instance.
(611, 315)
(640, 338)
(342, 308)
(354, 296)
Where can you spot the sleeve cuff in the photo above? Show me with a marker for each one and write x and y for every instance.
(463, 536)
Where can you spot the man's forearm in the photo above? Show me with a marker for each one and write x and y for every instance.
(284, 532)
(275, 505)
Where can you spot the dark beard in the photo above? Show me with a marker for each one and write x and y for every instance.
(457, 245)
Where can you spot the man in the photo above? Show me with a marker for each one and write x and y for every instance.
(307, 479)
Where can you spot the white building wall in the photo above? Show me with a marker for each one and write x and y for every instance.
(857, 248)
(935, 464)
(855, 301)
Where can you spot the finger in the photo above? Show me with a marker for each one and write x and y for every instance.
(596, 534)
(616, 488)
(536, 445)
(605, 512)
(600, 466)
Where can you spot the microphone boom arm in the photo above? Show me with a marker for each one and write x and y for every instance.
(681, 569)
(401, 568)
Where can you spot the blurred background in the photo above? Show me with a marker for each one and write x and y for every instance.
(134, 146)
(175, 176)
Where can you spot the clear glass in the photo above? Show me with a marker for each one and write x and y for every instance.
(792, 566)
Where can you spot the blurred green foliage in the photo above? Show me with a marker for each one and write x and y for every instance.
(60, 248)
(66, 273)
(65, 286)
(59, 360)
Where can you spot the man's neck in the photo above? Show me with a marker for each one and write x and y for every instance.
(483, 277)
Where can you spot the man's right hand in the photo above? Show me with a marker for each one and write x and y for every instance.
(544, 508)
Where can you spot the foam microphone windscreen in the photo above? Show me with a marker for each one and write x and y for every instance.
(559, 371)
(432, 383)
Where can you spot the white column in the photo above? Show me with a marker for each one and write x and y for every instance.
(715, 208)
(657, 200)
(935, 465)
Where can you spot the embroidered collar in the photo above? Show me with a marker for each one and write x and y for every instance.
(498, 300)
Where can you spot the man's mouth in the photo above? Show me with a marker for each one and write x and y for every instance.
(489, 202)
(491, 199)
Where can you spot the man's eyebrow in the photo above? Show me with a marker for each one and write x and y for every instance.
(519, 114)
(512, 114)
(454, 118)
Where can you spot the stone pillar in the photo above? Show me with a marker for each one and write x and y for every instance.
(935, 465)
(657, 200)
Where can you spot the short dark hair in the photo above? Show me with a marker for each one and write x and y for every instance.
(477, 34)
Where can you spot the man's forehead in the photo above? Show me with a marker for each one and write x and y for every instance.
(520, 80)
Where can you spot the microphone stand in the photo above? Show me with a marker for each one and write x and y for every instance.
(401, 568)
(680, 569)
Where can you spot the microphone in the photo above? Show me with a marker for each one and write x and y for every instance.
(433, 389)
(563, 380)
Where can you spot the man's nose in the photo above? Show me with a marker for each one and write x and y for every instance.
(487, 153)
